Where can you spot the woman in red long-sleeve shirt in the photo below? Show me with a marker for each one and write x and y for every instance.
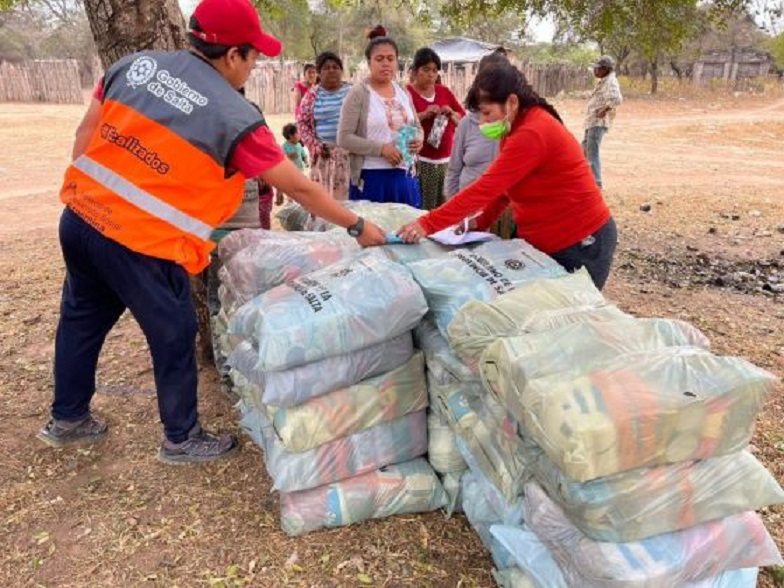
(540, 170)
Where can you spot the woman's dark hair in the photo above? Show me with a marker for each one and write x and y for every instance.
(377, 36)
(212, 50)
(308, 67)
(494, 58)
(376, 31)
(495, 83)
(425, 56)
(289, 131)
(323, 58)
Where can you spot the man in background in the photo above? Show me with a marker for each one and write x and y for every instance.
(600, 112)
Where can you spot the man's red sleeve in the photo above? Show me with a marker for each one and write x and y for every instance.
(256, 153)
(98, 92)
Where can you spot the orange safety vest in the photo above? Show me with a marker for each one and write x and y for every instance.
(154, 176)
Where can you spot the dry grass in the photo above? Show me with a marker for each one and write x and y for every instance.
(113, 516)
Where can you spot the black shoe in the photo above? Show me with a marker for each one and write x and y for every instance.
(199, 447)
(87, 431)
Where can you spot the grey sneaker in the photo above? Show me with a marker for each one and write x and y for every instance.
(200, 446)
(59, 433)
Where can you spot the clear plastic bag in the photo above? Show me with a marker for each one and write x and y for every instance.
(442, 451)
(453, 487)
(529, 554)
(300, 384)
(643, 410)
(345, 307)
(480, 273)
(649, 501)
(405, 488)
(532, 556)
(512, 578)
(485, 507)
(353, 409)
(672, 559)
(509, 363)
(447, 368)
(389, 442)
(437, 131)
(536, 306)
(293, 217)
(275, 258)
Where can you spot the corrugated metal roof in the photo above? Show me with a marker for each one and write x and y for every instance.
(462, 49)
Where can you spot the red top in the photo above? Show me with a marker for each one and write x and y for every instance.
(256, 152)
(443, 97)
(542, 172)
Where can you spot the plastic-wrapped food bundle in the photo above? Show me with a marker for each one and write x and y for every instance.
(453, 487)
(512, 578)
(278, 257)
(300, 384)
(531, 555)
(654, 408)
(405, 488)
(672, 559)
(389, 442)
(528, 553)
(389, 216)
(442, 452)
(539, 305)
(293, 217)
(342, 308)
(412, 252)
(485, 507)
(349, 410)
(455, 401)
(236, 241)
(488, 441)
(445, 365)
(481, 273)
(649, 501)
(509, 363)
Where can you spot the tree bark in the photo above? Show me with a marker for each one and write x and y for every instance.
(122, 27)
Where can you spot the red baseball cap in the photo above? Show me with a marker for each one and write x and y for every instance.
(233, 22)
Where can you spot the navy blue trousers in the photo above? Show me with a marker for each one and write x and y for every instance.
(594, 253)
(103, 279)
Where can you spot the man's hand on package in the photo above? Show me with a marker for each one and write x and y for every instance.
(371, 235)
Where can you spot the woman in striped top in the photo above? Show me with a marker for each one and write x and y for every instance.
(318, 126)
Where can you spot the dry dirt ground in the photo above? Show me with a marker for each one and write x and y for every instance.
(696, 187)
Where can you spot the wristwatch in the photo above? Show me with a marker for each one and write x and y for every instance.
(356, 229)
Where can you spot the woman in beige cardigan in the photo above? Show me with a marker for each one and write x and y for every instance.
(373, 115)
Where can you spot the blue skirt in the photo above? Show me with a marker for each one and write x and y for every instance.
(387, 185)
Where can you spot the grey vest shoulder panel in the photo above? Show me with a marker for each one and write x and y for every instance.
(186, 95)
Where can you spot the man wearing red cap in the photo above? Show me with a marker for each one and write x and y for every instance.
(159, 161)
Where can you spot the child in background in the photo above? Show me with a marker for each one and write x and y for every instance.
(292, 147)
(295, 151)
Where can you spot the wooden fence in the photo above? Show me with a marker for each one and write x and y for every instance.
(55, 81)
(271, 82)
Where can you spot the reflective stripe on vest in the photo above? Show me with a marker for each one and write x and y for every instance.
(141, 199)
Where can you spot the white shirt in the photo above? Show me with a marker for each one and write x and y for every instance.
(385, 117)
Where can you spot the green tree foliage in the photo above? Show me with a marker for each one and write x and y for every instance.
(777, 50)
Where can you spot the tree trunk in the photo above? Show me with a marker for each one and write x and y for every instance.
(678, 71)
(122, 27)
(654, 76)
